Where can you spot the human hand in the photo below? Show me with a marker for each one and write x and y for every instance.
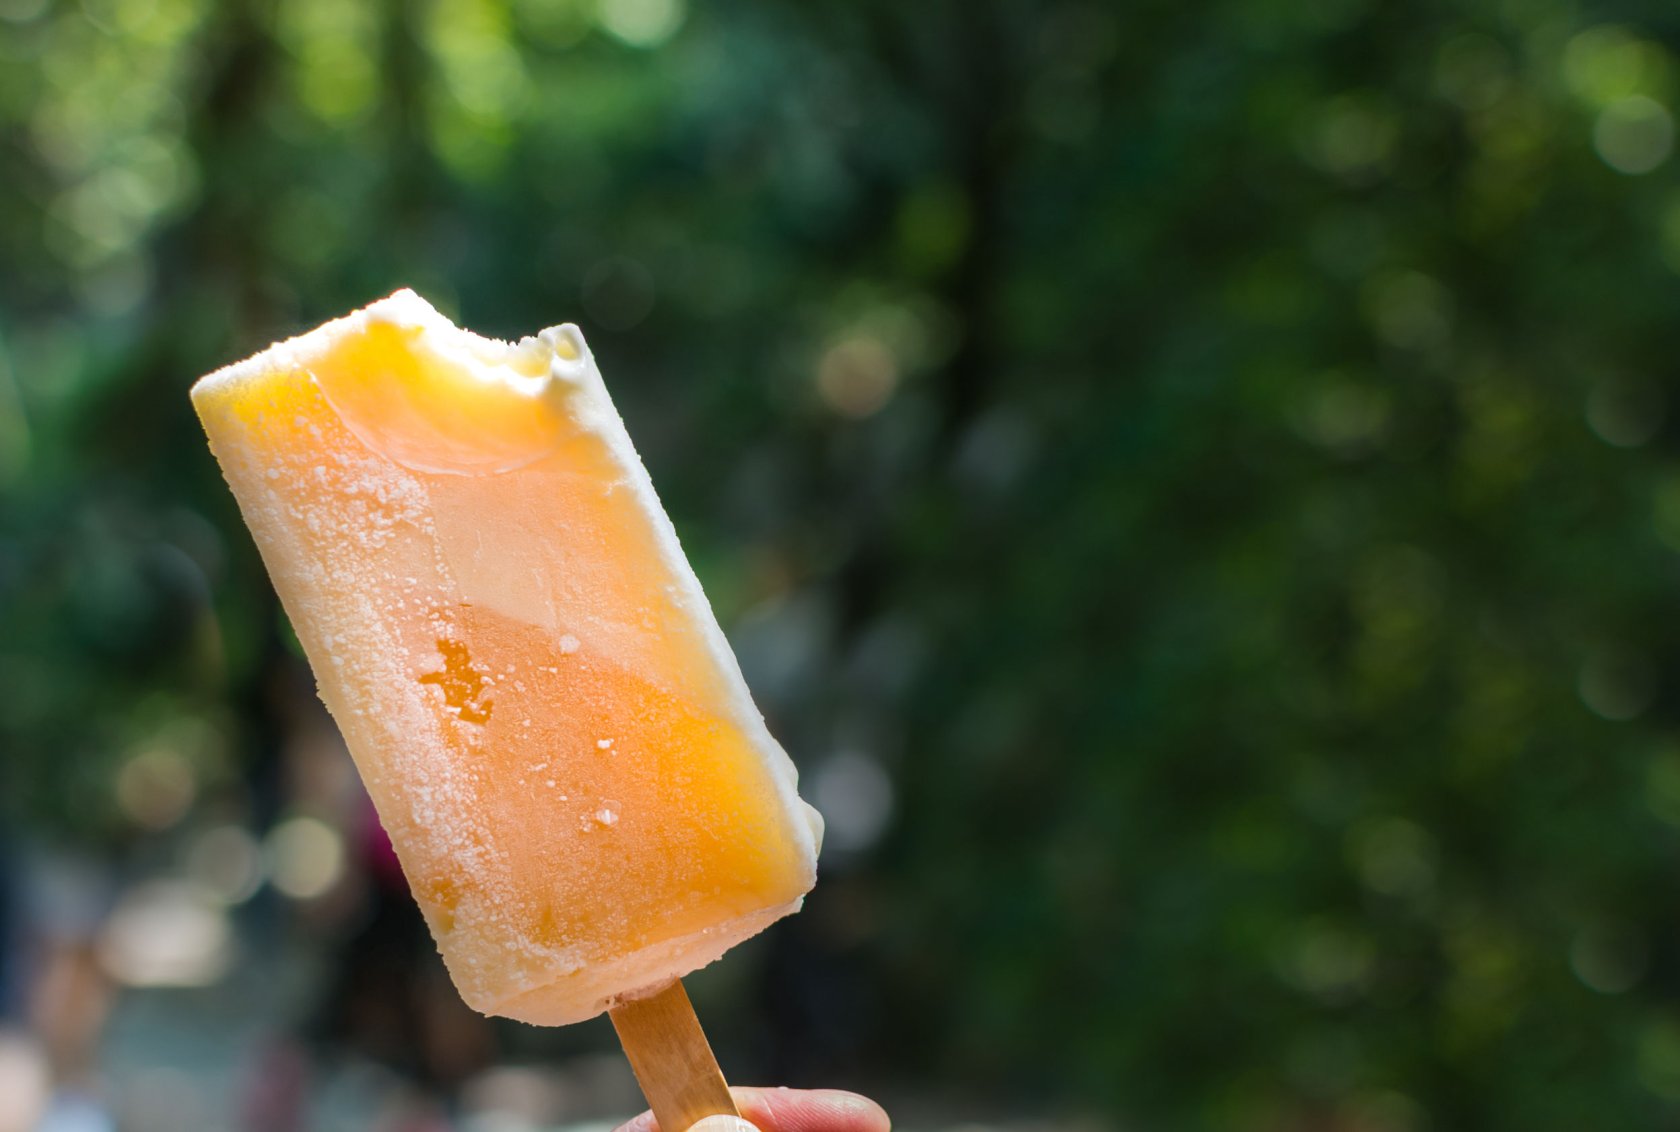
(786, 1110)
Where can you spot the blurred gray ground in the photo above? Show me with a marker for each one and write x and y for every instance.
(204, 1058)
(210, 1059)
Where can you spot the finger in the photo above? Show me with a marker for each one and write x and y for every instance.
(642, 1123)
(811, 1110)
(723, 1124)
(791, 1110)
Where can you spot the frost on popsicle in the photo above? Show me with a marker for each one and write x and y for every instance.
(531, 682)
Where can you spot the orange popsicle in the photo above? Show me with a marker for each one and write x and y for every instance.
(499, 616)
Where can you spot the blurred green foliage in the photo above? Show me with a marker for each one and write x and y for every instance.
(1213, 457)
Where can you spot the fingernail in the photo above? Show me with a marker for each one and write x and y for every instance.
(723, 1124)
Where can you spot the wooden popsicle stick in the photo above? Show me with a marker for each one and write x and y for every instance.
(673, 1061)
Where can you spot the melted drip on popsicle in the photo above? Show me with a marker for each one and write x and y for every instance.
(462, 685)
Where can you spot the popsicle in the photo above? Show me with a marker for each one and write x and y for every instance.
(532, 685)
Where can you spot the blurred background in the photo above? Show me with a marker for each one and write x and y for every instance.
(1193, 486)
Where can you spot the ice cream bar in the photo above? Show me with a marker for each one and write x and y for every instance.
(535, 691)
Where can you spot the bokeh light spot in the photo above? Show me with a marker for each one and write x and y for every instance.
(1662, 786)
(1328, 961)
(1408, 309)
(857, 375)
(334, 48)
(1348, 418)
(1394, 857)
(226, 861)
(1658, 1058)
(481, 62)
(1616, 686)
(642, 23)
(305, 857)
(166, 934)
(156, 787)
(855, 797)
(1607, 63)
(1665, 511)
(1609, 959)
(1353, 136)
(1625, 413)
(1670, 234)
(25, 1083)
(1634, 135)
